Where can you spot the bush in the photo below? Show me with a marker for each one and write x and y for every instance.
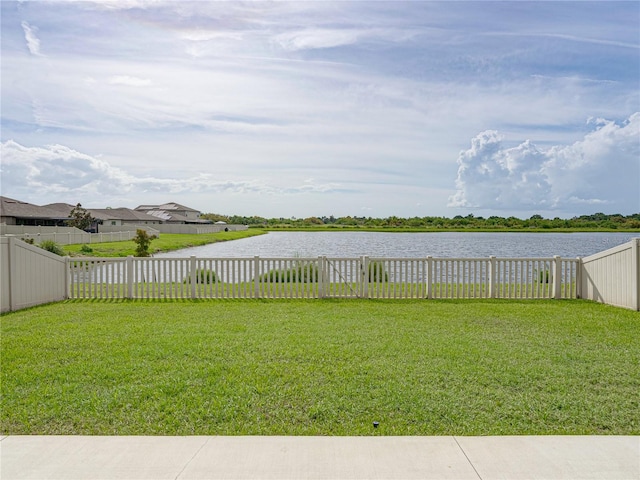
(543, 276)
(202, 276)
(86, 249)
(51, 246)
(143, 241)
(301, 273)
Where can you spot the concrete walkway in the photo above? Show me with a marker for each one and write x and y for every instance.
(182, 458)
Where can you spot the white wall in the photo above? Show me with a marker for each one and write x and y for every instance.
(150, 229)
(207, 228)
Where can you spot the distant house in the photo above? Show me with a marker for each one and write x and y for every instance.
(173, 213)
(16, 212)
(122, 216)
(108, 216)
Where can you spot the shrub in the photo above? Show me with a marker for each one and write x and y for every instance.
(86, 249)
(53, 247)
(143, 241)
(202, 276)
(377, 272)
(30, 241)
(543, 276)
(301, 273)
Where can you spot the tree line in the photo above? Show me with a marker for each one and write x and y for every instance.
(597, 221)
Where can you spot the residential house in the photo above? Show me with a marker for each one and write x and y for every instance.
(173, 213)
(110, 216)
(122, 216)
(16, 212)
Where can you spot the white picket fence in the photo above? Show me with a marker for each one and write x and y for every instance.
(324, 277)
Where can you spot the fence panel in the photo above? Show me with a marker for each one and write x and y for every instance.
(613, 276)
(364, 277)
(29, 275)
(342, 278)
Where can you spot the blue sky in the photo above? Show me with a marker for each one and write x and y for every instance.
(284, 109)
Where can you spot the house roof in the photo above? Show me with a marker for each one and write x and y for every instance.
(62, 211)
(168, 212)
(62, 208)
(118, 214)
(171, 206)
(166, 216)
(18, 209)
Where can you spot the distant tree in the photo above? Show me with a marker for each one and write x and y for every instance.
(80, 218)
(215, 217)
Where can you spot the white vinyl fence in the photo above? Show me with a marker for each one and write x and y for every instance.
(198, 228)
(323, 277)
(30, 275)
(613, 276)
(151, 230)
(64, 235)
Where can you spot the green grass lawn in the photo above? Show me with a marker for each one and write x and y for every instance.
(165, 243)
(320, 367)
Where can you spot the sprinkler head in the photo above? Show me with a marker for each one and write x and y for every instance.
(375, 424)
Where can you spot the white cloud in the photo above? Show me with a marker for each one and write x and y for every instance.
(116, 4)
(33, 42)
(317, 38)
(129, 81)
(68, 175)
(603, 169)
(378, 96)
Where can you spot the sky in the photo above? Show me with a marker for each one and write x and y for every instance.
(319, 108)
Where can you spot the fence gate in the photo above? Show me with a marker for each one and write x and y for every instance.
(342, 277)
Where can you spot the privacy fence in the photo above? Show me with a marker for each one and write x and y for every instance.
(68, 235)
(108, 233)
(611, 277)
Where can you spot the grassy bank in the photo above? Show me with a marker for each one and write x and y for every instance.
(320, 368)
(165, 243)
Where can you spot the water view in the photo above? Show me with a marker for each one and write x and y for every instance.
(411, 245)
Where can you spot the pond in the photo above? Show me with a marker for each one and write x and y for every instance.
(410, 245)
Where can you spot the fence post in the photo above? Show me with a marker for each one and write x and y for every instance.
(579, 268)
(635, 274)
(492, 277)
(130, 276)
(13, 274)
(321, 277)
(364, 276)
(194, 275)
(256, 276)
(429, 275)
(67, 276)
(557, 277)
